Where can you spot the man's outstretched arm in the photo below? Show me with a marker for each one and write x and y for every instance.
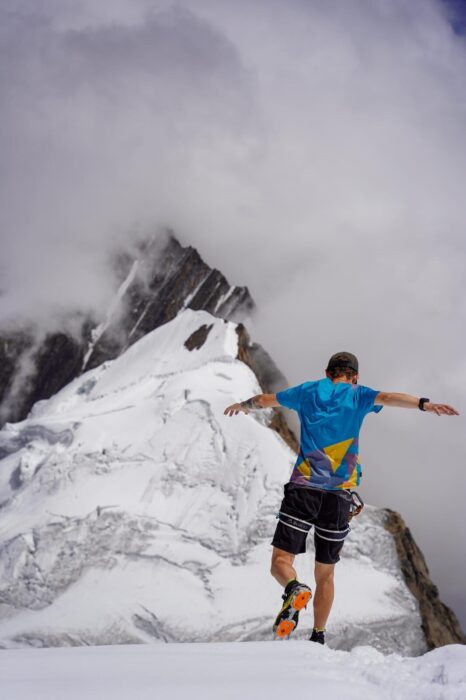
(384, 398)
(259, 401)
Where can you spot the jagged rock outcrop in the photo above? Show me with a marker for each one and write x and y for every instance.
(161, 278)
(268, 375)
(165, 278)
(439, 622)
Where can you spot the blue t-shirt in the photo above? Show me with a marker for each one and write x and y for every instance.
(331, 416)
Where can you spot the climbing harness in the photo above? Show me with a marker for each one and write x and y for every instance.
(357, 504)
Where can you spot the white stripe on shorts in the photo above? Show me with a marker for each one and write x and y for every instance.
(330, 539)
(281, 512)
(347, 529)
(294, 527)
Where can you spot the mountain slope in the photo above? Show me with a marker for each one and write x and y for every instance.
(133, 510)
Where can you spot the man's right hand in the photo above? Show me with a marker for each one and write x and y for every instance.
(258, 401)
(234, 409)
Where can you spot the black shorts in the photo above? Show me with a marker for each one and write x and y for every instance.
(303, 507)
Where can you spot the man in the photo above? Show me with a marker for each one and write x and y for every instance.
(331, 412)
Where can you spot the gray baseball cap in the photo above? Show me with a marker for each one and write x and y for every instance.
(344, 360)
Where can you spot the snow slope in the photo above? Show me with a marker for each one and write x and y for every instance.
(132, 510)
(231, 671)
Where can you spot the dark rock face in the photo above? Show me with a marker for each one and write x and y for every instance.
(12, 346)
(162, 278)
(439, 623)
(34, 369)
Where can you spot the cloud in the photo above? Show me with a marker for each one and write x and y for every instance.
(312, 149)
(102, 131)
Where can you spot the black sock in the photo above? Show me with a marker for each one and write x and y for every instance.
(290, 585)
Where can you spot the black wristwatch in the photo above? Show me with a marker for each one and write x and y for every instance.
(422, 402)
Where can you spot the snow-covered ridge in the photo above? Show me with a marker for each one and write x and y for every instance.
(231, 672)
(133, 510)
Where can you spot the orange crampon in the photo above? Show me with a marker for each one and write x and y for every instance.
(294, 601)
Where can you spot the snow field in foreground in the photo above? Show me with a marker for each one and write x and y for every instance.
(231, 671)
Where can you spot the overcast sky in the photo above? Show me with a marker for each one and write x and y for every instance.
(314, 150)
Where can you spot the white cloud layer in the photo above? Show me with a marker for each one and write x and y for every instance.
(312, 149)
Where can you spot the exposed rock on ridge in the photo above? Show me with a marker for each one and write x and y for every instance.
(439, 622)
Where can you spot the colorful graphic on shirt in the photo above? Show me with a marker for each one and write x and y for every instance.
(331, 416)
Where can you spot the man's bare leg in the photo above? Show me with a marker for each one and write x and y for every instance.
(323, 597)
(282, 566)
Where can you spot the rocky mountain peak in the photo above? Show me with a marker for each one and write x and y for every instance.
(158, 279)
